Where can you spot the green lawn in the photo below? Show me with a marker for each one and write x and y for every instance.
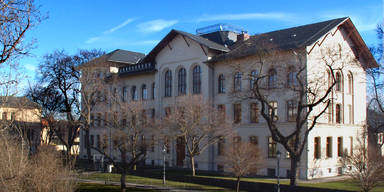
(343, 184)
(151, 181)
(91, 187)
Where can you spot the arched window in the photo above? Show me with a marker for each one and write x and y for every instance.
(168, 83)
(350, 83)
(144, 92)
(153, 91)
(272, 78)
(254, 75)
(197, 80)
(134, 93)
(237, 81)
(125, 94)
(221, 84)
(182, 81)
(338, 81)
(291, 78)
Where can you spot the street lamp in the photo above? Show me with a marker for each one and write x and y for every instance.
(164, 151)
(278, 157)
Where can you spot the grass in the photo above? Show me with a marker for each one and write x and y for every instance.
(342, 184)
(91, 187)
(151, 181)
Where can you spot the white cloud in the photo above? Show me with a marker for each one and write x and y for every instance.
(248, 16)
(91, 40)
(156, 25)
(30, 67)
(151, 42)
(118, 27)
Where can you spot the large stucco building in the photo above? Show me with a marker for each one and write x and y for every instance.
(185, 63)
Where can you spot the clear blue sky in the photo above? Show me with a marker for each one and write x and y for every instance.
(140, 25)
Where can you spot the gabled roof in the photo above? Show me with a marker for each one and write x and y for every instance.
(18, 102)
(123, 56)
(169, 37)
(118, 56)
(301, 36)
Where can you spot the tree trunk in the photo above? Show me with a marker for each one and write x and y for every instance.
(87, 144)
(122, 181)
(295, 163)
(238, 184)
(193, 165)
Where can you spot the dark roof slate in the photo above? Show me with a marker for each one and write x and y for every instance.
(303, 35)
(123, 56)
(18, 102)
(297, 37)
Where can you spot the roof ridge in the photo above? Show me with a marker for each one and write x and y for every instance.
(344, 18)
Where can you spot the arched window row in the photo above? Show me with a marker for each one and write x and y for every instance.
(182, 81)
(134, 92)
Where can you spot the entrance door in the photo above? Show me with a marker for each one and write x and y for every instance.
(180, 151)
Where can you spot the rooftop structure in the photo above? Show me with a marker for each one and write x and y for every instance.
(221, 27)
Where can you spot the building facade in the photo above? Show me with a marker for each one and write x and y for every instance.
(207, 64)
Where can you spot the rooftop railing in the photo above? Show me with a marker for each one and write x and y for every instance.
(136, 67)
(221, 27)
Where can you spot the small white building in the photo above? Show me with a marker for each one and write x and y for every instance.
(185, 63)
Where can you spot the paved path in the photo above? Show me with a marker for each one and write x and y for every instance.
(134, 185)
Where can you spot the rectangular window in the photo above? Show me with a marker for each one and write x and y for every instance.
(221, 110)
(168, 146)
(329, 147)
(236, 141)
(271, 148)
(124, 119)
(338, 113)
(92, 119)
(340, 146)
(254, 140)
(237, 113)
(92, 140)
(254, 112)
(292, 111)
(220, 146)
(105, 119)
(85, 146)
(98, 141)
(272, 108)
(144, 117)
(153, 143)
(98, 119)
(167, 111)
(317, 148)
(4, 116)
(351, 146)
(291, 144)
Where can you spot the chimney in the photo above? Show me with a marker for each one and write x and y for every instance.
(242, 37)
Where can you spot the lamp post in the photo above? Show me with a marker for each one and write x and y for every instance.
(278, 157)
(164, 151)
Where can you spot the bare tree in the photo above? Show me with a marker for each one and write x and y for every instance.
(93, 92)
(129, 129)
(365, 165)
(196, 123)
(17, 17)
(375, 103)
(242, 159)
(309, 89)
(58, 75)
